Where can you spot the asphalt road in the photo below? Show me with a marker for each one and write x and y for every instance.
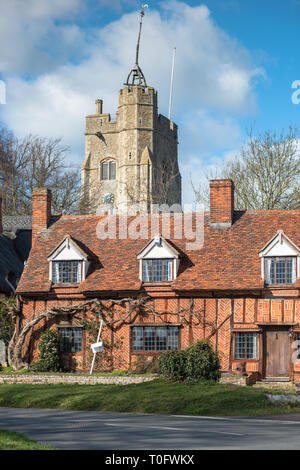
(70, 430)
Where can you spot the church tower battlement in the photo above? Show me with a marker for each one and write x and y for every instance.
(130, 163)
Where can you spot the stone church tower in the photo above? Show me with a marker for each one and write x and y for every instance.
(130, 163)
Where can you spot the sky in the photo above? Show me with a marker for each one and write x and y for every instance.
(236, 64)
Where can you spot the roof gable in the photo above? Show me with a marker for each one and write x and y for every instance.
(158, 248)
(280, 245)
(67, 250)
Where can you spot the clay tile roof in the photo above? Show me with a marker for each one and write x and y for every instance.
(229, 258)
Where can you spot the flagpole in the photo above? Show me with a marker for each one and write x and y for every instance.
(172, 83)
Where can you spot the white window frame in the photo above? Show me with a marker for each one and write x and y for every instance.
(67, 251)
(280, 246)
(159, 248)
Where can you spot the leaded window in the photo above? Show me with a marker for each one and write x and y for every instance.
(156, 270)
(155, 338)
(66, 272)
(280, 270)
(245, 346)
(70, 339)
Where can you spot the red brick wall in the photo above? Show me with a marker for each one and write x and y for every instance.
(216, 319)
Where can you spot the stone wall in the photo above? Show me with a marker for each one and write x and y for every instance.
(72, 379)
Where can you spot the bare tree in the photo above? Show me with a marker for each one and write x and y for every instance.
(164, 176)
(266, 173)
(33, 162)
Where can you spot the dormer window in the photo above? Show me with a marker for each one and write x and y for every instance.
(280, 270)
(156, 270)
(68, 263)
(159, 261)
(66, 272)
(280, 261)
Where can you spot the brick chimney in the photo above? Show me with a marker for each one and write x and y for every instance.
(221, 203)
(1, 226)
(41, 210)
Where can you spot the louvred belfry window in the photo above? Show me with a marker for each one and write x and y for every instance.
(108, 170)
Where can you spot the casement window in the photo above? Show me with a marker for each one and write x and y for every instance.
(154, 338)
(156, 270)
(280, 270)
(108, 170)
(245, 346)
(66, 272)
(70, 339)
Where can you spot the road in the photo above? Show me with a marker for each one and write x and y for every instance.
(95, 430)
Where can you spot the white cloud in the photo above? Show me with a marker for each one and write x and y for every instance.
(213, 72)
(29, 34)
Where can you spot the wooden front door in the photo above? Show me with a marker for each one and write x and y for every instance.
(277, 348)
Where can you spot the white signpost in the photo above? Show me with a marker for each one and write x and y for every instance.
(97, 347)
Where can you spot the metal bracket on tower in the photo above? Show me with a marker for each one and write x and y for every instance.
(136, 76)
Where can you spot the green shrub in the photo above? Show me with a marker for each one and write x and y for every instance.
(172, 365)
(201, 362)
(49, 359)
(197, 362)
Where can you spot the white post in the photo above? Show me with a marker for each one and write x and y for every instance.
(172, 83)
(98, 338)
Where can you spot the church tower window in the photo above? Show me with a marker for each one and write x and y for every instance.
(108, 170)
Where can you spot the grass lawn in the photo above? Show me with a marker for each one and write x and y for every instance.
(149, 397)
(10, 440)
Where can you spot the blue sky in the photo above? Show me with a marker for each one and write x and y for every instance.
(236, 62)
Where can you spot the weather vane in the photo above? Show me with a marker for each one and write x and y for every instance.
(136, 76)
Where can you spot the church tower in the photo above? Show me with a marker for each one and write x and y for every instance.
(131, 163)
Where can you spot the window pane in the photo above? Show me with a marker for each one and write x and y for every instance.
(66, 272)
(290, 270)
(112, 170)
(147, 270)
(251, 346)
(157, 270)
(269, 270)
(149, 336)
(104, 171)
(55, 272)
(245, 345)
(76, 340)
(70, 340)
(161, 338)
(240, 346)
(137, 341)
(173, 337)
(154, 338)
(65, 335)
(280, 270)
